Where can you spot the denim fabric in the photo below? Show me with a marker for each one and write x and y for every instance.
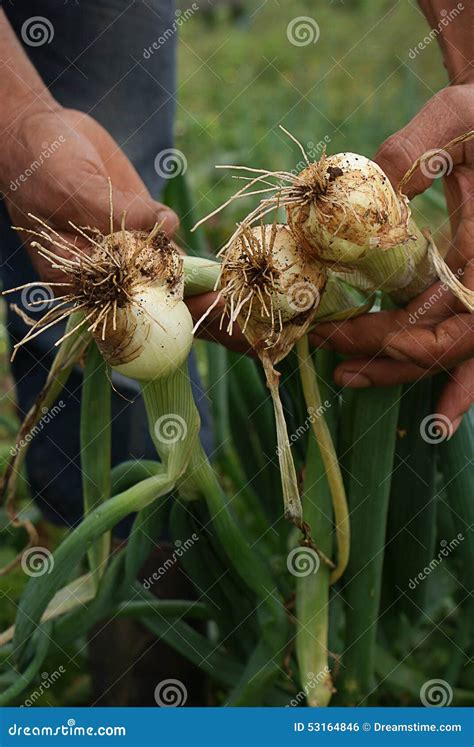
(94, 63)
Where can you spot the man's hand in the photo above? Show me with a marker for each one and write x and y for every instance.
(434, 333)
(214, 328)
(71, 184)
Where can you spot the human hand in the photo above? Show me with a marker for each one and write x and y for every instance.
(434, 332)
(71, 183)
(212, 329)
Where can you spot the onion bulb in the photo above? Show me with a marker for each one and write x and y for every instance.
(129, 287)
(344, 207)
(272, 290)
(345, 213)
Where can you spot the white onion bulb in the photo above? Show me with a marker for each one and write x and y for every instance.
(153, 335)
(347, 209)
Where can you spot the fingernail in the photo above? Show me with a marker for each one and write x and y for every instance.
(356, 380)
(169, 221)
(394, 353)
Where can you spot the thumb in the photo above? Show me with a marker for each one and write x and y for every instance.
(142, 212)
(434, 126)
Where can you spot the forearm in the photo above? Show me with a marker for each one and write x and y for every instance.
(21, 88)
(23, 95)
(454, 22)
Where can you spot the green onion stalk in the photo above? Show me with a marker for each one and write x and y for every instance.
(126, 294)
(129, 293)
(69, 354)
(340, 300)
(328, 455)
(272, 291)
(314, 578)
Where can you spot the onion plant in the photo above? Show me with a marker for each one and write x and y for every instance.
(277, 634)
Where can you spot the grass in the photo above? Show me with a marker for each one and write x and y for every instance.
(356, 85)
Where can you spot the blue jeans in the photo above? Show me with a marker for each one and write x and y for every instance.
(94, 63)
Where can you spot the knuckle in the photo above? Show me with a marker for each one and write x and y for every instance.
(423, 349)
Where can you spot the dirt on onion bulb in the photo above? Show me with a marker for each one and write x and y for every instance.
(129, 288)
(272, 290)
(343, 207)
(345, 213)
